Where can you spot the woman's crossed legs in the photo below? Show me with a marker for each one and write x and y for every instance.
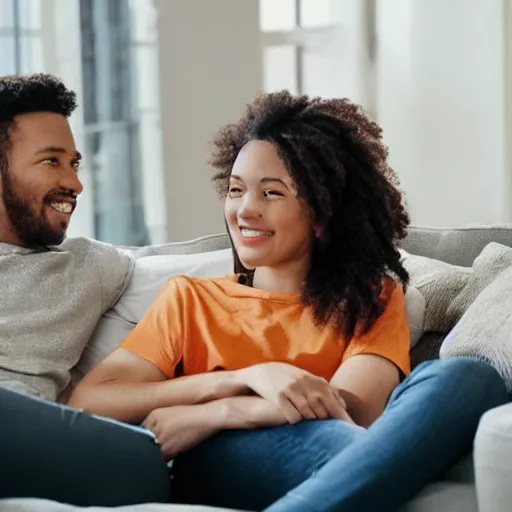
(322, 466)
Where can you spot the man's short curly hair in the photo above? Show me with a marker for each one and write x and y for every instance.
(336, 158)
(27, 94)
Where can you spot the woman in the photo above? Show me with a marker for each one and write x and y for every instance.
(310, 336)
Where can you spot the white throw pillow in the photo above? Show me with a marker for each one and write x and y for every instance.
(415, 310)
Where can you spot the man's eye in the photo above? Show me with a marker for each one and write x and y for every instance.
(76, 165)
(51, 161)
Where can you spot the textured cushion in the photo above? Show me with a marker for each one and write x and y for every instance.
(439, 283)
(449, 289)
(427, 348)
(485, 330)
(457, 246)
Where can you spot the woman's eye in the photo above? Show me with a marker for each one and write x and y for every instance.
(235, 191)
(270, 193)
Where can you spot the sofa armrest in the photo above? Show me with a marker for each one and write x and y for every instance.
(492, 456)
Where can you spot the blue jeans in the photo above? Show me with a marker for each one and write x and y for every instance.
(327, 466)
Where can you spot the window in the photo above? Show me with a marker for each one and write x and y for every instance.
(20, 36)
(319, 47)
(107, 51)
(111, 124)
(300, 38)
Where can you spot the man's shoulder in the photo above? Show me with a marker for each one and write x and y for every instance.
(114, 265)
(89, 248)
(85, 244)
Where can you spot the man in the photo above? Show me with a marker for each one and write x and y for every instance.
(53, 292)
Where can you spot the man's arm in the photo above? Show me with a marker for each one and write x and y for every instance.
(126, 387)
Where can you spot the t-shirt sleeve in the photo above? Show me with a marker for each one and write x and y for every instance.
(389, 337)
(115, 269)
(158, 337)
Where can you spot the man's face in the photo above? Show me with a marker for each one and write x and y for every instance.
(38, 190)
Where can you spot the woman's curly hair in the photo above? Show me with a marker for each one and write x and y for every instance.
(336, 158)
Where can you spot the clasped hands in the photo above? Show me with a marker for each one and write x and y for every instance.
(293, 395)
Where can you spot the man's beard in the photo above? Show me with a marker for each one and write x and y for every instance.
(32, 228)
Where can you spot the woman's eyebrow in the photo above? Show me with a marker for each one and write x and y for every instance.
(275, 180)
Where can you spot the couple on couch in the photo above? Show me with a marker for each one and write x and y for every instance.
(284, 387)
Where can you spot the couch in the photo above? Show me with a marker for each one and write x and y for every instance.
(453, 491)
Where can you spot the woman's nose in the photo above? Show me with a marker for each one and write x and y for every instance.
(249, 207)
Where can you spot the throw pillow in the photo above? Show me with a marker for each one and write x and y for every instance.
(439, 283)
(485, 329)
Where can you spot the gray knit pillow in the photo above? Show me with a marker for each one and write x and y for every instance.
(485, 329)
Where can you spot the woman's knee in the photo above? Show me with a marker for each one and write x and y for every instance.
(470, 376)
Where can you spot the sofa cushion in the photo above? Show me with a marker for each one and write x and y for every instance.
(41, 505)
(450, 289)
(493, 452)
(444, 497)
(458, 246)
(484, 330)
(439, 283)
(415, 311)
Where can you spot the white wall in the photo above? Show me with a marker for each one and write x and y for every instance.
(210, 65)
(441, 102)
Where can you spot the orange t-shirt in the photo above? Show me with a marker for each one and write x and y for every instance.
(219, 324)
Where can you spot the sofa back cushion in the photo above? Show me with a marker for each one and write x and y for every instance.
(458, 246)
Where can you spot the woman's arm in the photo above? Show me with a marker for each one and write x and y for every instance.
(126, 387)
(180, 428)
(247, 412)
(365, 382)
(373, 362)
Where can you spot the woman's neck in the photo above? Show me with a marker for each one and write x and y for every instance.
(284, 279)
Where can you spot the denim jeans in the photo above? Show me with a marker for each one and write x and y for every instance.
(55, 452)
(327, 466)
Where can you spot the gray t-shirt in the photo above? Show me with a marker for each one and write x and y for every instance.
(50, 302)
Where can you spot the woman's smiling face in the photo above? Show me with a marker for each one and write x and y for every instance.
(268, 223)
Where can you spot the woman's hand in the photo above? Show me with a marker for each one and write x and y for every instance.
(181, 427)
(298, 394)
